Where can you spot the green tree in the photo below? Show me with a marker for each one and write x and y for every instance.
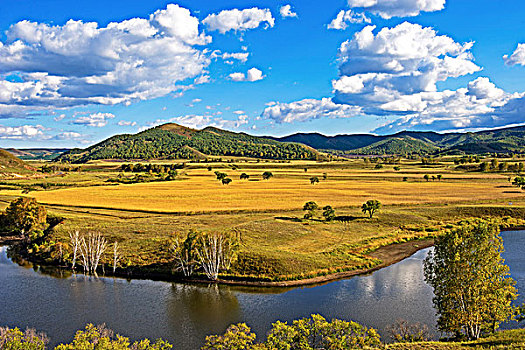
(236, 337)
(311, 208)
(26, 216)
(379, 166)
(226, 181)
(328, 213)
(244, 176)
(314, 180)
(426, 177)
(371, 207)
(397, 168)
(484, 166)
(15, 339)
(102, 338)
(220, 176)
(439, 177)
(472, 288)
(267, 175)
(316, 332)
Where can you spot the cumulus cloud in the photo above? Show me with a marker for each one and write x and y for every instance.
(517, 57)
(308, 109)
(81, 63)
(68, 135)
(398, 68)
(239, 20)
(252, 75)
(240, 56)
(22, 132)
(345, 17)
(126, 123)
(398, 8)
(286, 11)
(97, 120)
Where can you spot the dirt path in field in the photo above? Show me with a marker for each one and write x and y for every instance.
(389, 255)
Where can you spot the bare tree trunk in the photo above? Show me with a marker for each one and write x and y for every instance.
(210, 254)
(75, 244)
(91, 249)
(116, 256)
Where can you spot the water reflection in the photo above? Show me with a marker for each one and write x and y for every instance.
(184, 314)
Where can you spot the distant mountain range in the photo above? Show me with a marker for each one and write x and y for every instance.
(507, 140)
(173, 141)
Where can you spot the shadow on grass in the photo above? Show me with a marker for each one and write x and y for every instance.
(348, 218)
(289, 218)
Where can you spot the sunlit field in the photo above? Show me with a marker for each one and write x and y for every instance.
(340, 185)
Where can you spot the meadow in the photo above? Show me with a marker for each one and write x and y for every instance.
(277, 243)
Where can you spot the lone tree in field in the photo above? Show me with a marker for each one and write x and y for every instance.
(310, 208)
(244, 176)
(314, 180)
(371, 207)
(426, 177)
(226, 181)
(220, 176)
(472, 288)
(267, 175)
(328, 213)
(439, 177)
(27, 217)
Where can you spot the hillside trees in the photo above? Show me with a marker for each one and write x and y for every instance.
(472, 288)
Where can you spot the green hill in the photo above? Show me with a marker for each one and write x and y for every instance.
(506, 140)
(395, 145)
(9, 164)
(173, 141)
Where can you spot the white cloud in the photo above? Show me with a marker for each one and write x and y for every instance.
(196, 100)
(239, 112)
(126, 123)
(252, 75)
(345, 17)
(517, 57)
(398, 68)
(68, 135)
(80, 63)
(95, 120)
(22, 132)
(238, 20)
(59, 118)
(398, 8)
(240, 56)
(309, 109)
(286, 11)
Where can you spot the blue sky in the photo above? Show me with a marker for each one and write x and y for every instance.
(74, 73)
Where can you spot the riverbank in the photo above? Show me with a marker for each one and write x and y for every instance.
(389, 255)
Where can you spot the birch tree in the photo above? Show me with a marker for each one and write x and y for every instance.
(116, 256)
(472, 288)
(91, 249)
(74, 238)
(216, 252)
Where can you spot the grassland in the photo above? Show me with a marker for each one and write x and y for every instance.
(277, 244)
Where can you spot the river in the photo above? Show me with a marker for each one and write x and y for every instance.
(184, 314)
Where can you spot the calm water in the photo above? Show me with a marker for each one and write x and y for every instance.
(184, 314)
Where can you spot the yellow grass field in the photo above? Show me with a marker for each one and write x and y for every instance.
(199, 191)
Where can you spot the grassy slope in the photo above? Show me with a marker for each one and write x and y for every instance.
(9, 164)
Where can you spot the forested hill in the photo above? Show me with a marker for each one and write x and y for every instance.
(173, 141)
(507, 140)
